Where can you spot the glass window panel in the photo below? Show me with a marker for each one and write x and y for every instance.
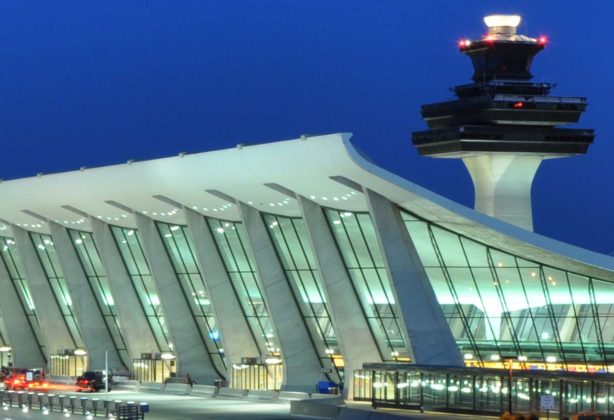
(232, 245)
(356, 240)
(532, 308)
(131, 251)
(10, 258)
(180, 252)
(450, 247)
(291, 242)
(55, 276)
(84, 246)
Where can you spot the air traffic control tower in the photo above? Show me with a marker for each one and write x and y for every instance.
(503, 125)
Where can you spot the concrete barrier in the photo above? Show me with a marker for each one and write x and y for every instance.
(292, 396)
(331, 397)
(347, 413)
(181, 389)
(62, 379)
(232, 393)
(315, 408)
(204, 390)
(262, 395)
(126, 384)
(151, 386)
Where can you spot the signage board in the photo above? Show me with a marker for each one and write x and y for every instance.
(546, 402)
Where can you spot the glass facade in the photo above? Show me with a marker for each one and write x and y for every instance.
(83, 243)
(357, 243)
(484, 391)
(133, 257)
(11, 261)
(294, 250)
(175, 239)
(501, 306)
(231, 242)
(55, 276)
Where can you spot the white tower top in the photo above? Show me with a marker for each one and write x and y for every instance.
(502, 24)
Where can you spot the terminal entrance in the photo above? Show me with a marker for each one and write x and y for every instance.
(150, 369)
(251, 374)
(67, 364)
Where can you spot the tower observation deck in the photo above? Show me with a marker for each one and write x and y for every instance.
(502, 124)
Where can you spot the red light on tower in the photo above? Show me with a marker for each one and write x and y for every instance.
(464, 43)
(542, 40)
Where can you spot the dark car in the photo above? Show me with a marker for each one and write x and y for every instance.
(92, 381)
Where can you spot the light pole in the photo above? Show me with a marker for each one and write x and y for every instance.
(509, 359)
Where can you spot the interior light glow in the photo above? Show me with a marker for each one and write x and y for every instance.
(519, 105)
(167, 356)
(551, 359)
(80, 352)
(494, 21)
(495, 357)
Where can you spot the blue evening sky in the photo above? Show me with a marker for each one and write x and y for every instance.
(95, 83)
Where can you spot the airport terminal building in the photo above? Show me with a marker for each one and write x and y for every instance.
(300, 254)
(278, 265)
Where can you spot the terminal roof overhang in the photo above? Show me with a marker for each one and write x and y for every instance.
(326, 169)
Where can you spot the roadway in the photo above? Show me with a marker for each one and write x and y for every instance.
(179, 407)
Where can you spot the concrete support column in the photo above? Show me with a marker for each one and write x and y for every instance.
(19, 331)
(237, 337)
(570, 324)
(301, 362)
(503, 186)
(428, 336)
(353, 332)
(94, 330)
(52, 323)
(135, 327)
(190, 349)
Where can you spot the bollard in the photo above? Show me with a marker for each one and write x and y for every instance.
(61, 398)
(40, 400)
(116, 404)
(106, 408)
(83, 405)
(95, 406)
(30, 396)
(143, 408)
(50, 398)
(20, 398)
(72, 404)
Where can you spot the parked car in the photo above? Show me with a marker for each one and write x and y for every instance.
(92, 381)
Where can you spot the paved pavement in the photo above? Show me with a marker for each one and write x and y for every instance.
(178, 407)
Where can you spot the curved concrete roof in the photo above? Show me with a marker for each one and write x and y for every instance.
(326, 169)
